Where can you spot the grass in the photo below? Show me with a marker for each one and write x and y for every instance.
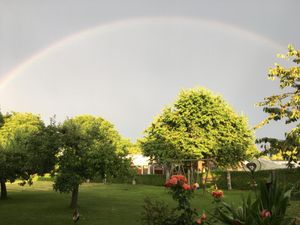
(110, 204)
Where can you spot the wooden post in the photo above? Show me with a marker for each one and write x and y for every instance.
(168, 174)
(229, 180)
(189, 176)
(205, 180)
(192, 174)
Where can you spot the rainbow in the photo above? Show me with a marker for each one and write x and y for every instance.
(119, 24)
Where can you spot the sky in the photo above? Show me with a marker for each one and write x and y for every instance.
(126, 60)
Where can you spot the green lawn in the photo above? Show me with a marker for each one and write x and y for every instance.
(98, 204)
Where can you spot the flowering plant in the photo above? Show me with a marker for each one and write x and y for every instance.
(182, 192)
(268, 208)
(183, 213)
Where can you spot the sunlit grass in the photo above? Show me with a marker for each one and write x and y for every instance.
(98, 204)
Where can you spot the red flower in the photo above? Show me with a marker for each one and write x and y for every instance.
(186, 187)
(265, 213)
(217, 194)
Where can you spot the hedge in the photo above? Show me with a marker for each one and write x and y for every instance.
(241, 179)
(46, 177)
(156, 180)
(151, 179)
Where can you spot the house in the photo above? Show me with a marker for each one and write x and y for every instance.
(144, 165)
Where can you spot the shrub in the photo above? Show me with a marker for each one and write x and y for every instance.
(183, 214)
(155, 180)
(46, 177)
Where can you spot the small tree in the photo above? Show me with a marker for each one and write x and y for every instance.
(28, 147)
(198, 124)
(90, 147)
(284, 106)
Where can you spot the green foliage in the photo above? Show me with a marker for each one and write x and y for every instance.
(198, 125)
(134, 149)
(90, 147)
(151, 179)
(268, 208)
(284, 106)
(241, 180)
(27, 146)
(295, 195)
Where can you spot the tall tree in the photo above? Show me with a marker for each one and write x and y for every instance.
(28, 147)
(198, 124)
(90, 147)
(284, 106)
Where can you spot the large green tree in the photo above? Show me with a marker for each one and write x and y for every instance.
(27, 147)
(284, 106)
(90, 147)
(198, 125)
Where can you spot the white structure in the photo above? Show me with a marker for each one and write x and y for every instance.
(145, 165)
(267, 164)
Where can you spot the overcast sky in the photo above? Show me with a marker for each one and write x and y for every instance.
(126, 60)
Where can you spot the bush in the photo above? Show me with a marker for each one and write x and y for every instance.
(46, 177)
(155, 180)
(157, 213)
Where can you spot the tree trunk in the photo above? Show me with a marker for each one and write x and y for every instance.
(74, 199)
(3, 190)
